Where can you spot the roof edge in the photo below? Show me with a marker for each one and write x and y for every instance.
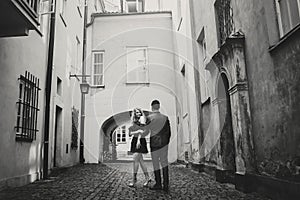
(94, 15)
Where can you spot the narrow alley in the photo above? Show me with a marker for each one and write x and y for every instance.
(211, 87)
(99, 181)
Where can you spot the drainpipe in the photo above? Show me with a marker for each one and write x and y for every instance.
(48, 90)
(82, 117)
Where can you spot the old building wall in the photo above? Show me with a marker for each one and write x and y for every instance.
(21, 162)
(273, 87)
(66, 93)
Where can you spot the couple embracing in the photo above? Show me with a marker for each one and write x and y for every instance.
(158, 126)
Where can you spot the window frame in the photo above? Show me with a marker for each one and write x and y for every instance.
(279, 16)
(119, 131)
(63, 11)
(136, 5)
(78, 62)
(203, 48)
(224, 20)
(147, 79)
(93, 65)
(27, 108)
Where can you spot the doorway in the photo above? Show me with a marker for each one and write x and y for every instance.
(57, 135)
(227, 144)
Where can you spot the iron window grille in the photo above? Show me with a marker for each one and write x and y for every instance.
(27, 105)
(224, 17)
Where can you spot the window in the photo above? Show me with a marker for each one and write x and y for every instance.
(203, 56)
(27, 112)
(137, 65)
(46, 7)
(78, 55)
(224, 19)
(288, 15)
(59, 86)
(134, 6)
(98, 69)
(80, 4)
(202, 45)
(63, 8)
(121, 134)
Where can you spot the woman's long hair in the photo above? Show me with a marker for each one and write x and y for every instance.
(140, 120)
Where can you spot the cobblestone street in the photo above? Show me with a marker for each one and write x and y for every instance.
(110, 182)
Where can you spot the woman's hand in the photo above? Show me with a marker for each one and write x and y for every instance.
(138, 144)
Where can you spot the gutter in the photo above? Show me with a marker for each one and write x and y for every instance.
(48, 91)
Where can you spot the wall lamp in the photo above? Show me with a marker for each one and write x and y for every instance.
(84, 86)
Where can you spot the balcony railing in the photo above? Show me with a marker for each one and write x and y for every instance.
(31, 5)
(18, 17)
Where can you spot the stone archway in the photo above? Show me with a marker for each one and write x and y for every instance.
(110, 148)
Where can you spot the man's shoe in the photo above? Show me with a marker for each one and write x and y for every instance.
(156, 187)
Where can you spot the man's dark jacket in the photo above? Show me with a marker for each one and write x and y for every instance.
(160, 131)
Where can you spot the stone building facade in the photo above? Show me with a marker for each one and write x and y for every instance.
(23, 60)
(25, 45)
(249, 114)
(130, 59)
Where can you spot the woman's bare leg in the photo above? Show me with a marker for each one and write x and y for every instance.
(145, 170)
(143, 166)
(136, 163)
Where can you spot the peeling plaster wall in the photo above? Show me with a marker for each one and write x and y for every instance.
(273, 88)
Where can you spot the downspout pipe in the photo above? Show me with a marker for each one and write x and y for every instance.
(48, 91)
(82, 116)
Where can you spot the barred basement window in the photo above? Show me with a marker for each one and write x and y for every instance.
(27, 113)
(224, 16)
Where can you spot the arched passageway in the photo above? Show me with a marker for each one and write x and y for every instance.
(115, 138)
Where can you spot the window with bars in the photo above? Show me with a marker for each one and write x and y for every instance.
(224, 18)
(27, 113)
(137, 65)
(98, 69)
(288, 14)
(121, 134)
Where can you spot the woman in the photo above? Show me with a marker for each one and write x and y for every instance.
(138, 145)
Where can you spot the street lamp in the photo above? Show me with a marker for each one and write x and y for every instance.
(84, 88)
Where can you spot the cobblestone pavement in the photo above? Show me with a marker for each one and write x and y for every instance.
(110, 182)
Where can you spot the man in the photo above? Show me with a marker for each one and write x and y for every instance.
(160, 134)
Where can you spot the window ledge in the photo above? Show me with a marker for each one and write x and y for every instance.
(286, 37)
(206, 102)
(137, 83)
(22, 139)
(79, 11)
(97, 86)
(63, 19)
